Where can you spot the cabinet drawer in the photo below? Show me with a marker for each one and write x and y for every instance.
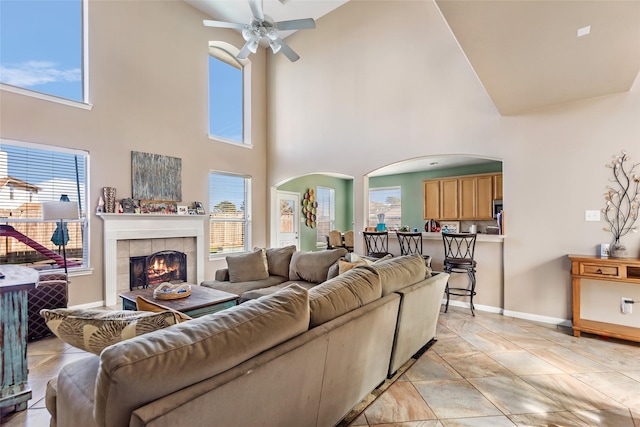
(599, 270)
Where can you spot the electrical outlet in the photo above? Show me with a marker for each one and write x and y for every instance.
(626, 305)
(591, 215)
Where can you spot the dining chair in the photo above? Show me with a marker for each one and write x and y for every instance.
(348, 240)
(458, 258)
(335, 239)
(377, 243)
(411, 243)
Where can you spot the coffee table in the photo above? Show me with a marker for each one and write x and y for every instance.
(202, 300)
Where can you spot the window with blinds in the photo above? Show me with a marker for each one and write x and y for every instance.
(29, 175)
(225, 96)
(325, 214)
(229, 213)
(387, 201)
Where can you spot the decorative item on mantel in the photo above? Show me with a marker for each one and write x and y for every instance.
(623, 200)
(109, 194)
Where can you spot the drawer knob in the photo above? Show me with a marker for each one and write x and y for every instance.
(598, 271)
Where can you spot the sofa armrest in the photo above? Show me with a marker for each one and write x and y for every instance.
(222, 275)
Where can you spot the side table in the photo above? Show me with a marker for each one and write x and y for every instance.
(14, 315)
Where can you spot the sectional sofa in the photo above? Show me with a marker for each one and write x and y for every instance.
(295, 357)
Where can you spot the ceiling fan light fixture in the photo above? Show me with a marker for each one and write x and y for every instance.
(253, 45)
(247, 33)
(275, 46)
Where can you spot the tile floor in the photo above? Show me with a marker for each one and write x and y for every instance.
(489, 370)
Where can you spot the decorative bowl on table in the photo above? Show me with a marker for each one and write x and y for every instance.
(168, 291)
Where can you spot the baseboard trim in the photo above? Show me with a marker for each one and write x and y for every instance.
(509, 313)
(88, 305)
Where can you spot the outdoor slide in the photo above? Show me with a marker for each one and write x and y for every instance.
(9, 231)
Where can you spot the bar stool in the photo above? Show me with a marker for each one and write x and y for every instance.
(348, 240)
(335, 239)
(411, 243)
(458, 258)
(377, 243)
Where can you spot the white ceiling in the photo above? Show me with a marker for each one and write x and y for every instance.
(526, 53)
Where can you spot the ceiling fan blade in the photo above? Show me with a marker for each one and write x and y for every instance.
(222, 24)
(288, 52)
(296, 24)
(244, 52)
(256, 9)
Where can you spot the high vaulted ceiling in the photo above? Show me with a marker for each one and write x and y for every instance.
(526, 53)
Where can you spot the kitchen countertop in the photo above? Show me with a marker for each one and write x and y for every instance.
(492, 238)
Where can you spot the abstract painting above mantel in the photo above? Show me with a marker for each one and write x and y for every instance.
(156, 177)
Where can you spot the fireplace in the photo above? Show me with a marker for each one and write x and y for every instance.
(151, 270)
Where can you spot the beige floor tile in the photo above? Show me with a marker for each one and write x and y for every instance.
(564, 419)
(459, 325)
(359, 421)
(429, 423)
(475, 365)
(489, 342)
(52, 365)
(500, 421)
(453, 344)
(455, 399)
(514, 396)
(568, 361)
(615, 385)
(31, 418)
(527, 341)
(607, 418)
(431, 366)
(400, 403)
(522, 362)
(571, 393)
(632, 374)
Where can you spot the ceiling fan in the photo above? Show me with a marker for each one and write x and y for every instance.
(263, 27)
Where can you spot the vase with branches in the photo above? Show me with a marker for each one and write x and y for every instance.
(622, 201)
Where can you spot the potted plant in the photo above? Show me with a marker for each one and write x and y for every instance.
(622, 201)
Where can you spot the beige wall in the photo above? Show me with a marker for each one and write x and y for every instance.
(384, 81)
(149, 90)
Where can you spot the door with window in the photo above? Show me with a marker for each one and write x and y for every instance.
(288, 219)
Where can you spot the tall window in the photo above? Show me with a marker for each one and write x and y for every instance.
(225, 96)
(325, 213)
(387, 201)
(229, 213)
(41, 47)
(29, 175)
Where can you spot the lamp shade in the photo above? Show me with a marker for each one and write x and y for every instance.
(59, 210)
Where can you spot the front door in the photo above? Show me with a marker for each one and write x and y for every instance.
(288, 219)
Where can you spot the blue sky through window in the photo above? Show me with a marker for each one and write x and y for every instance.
(41, 46)
(225, 100)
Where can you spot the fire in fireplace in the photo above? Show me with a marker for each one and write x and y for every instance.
(163, 266)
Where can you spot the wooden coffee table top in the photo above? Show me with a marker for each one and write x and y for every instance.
(200, 297)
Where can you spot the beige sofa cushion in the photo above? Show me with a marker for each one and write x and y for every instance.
(342, 294)
(279, 259)
(247, 267)
(162, 362)
(399, 272)
(313, 266)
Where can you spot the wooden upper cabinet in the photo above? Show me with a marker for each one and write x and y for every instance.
(449, 199)
(497, 186)
(467, 187)
(431, 199)
(484, 197)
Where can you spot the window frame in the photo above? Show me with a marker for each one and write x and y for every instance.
(226, 52)
(247, 218)
(85, 104)
(389, 226)
(85, 220)
(321, 239)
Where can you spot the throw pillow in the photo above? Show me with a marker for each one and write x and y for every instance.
(313, 267)
(144, 304)
(344, 266)
(247, 267)
(93, 330)
(279, 260)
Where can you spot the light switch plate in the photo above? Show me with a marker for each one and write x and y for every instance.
(591, 215)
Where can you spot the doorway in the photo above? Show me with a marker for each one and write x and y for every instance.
(287, 219)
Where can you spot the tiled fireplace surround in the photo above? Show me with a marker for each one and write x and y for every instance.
(127, 235)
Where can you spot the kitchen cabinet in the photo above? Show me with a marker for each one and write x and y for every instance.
(466, 197)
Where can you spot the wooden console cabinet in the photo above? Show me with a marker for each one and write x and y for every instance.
(14, 387)
(602, 268)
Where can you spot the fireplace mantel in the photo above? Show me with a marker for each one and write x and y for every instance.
(146, 226)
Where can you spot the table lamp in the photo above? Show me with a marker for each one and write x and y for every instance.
(59, 211)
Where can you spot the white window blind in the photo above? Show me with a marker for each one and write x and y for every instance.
(386, 200)
(29, 175)
(325, 213)
(229, 213)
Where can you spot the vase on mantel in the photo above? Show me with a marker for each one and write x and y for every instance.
(617, 249)
(109, 195)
